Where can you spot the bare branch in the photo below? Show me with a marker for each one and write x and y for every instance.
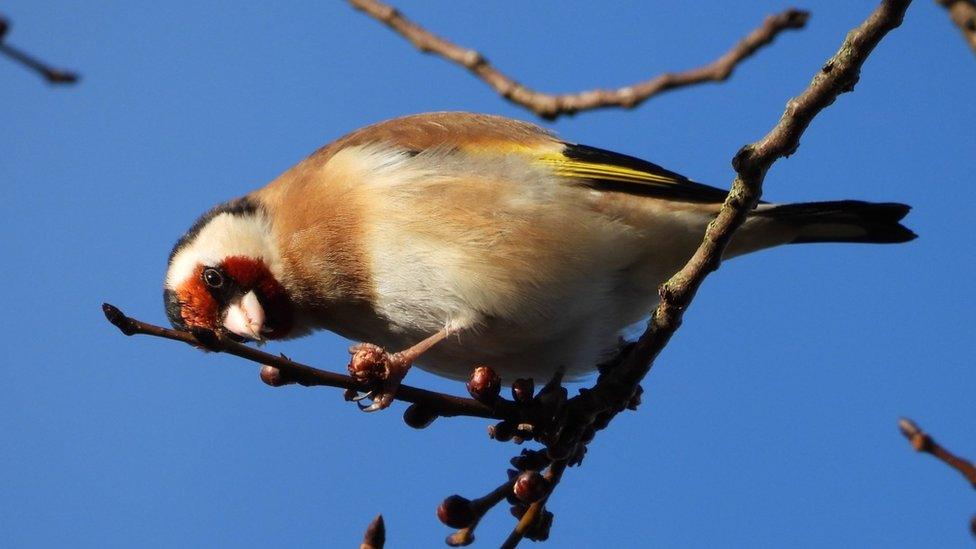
(440, 403)
(375, 536)
(963, 14)
(923, 442)
(52, 75)
(551, 106)
(614, 390)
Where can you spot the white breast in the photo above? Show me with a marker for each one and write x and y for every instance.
(536, 274)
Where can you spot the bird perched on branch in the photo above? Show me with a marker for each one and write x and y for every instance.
(457, 239)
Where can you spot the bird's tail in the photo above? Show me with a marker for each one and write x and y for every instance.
(842, 221)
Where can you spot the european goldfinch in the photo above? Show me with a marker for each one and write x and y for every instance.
(468, 239)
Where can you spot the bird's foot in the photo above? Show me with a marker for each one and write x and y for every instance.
(372, 366)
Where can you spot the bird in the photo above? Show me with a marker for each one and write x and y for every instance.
(454, 239)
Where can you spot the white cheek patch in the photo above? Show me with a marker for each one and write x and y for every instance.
(226, 235)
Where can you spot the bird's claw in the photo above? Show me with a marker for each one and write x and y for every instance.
(372, 366)
(380, 401)
(356, 396)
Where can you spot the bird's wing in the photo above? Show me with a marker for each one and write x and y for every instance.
(486, 134)
(610, 171)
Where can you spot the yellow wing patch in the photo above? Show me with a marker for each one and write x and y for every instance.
(605, 170)
(613, 172)
(568, 167)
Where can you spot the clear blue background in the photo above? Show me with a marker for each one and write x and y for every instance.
(769, 421)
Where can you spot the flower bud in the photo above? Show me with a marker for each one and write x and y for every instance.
(522, 390)
(540, 530)
(375, 536)
(455, 511)
(530, 487)
(587, 435)
(518, 510)
(530, 459)
(503, 431)
(273, 376)
(367, 363)
(635, 400)
(484, 384)
(418, 417)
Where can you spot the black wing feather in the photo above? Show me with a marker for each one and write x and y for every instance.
(662, 183)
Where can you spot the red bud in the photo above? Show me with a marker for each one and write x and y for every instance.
(273, 376)
(530, 487)
(456, 512)
(522, 390)
(484, 384)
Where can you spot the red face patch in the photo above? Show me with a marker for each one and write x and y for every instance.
(199, 308)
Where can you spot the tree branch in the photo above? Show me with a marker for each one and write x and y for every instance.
(838, 75)
(963, 14)
(52, 75)
(923, 442)
(593, 409)
(551, 106)
(440, 403)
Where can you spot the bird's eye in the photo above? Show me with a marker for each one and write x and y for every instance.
(213, 278)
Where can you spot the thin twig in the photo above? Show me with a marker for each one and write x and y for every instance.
(479, 508)
(442, 404)
(52, 75)
(963, 14)
(551, 106)
(923, 442)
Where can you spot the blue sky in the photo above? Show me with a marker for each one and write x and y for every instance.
(769, 421)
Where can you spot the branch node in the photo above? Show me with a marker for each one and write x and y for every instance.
(472, 59)
(743, 160)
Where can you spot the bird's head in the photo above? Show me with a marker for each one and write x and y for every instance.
(221, 276)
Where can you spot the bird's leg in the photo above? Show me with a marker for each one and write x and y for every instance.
(371, 364)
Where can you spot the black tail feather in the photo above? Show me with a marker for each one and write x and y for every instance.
(844, 221)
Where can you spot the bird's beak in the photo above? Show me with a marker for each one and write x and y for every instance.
(245, 317)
